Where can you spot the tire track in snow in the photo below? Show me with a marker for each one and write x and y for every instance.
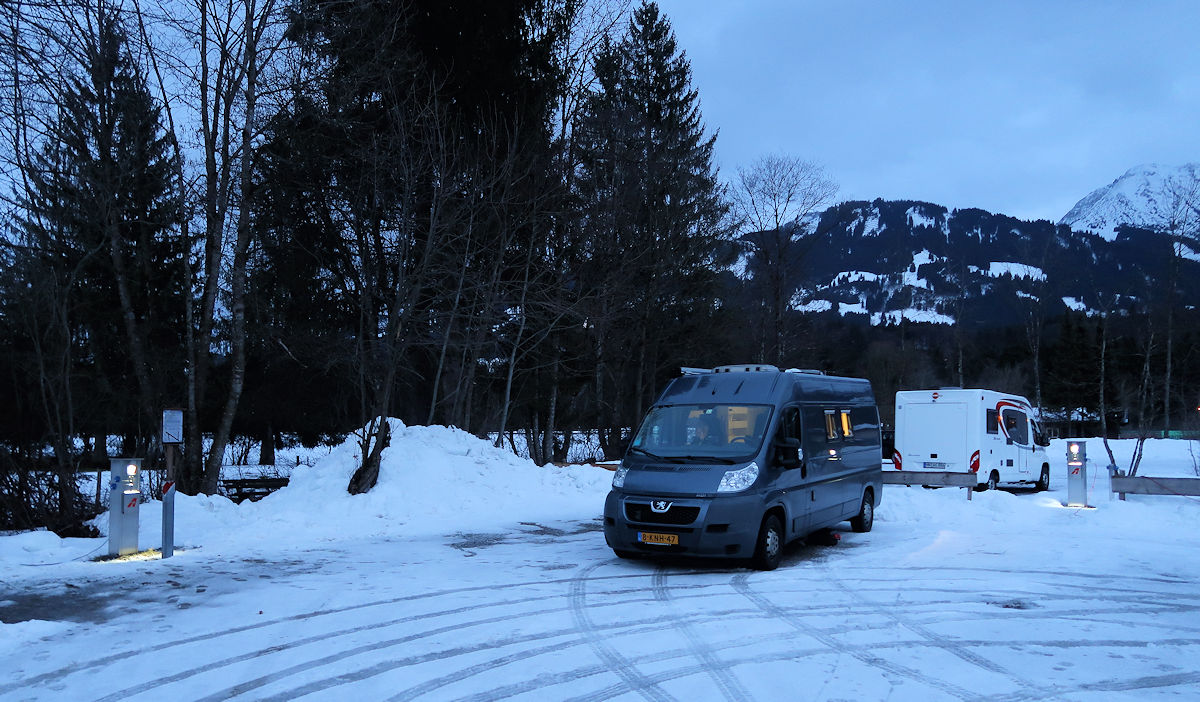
(1148, 682)
(620, 665)
(741, 585)
(616, 579)
(947, 643)
(791, 655)
(725, 679)
(104, 661)
(589, 637)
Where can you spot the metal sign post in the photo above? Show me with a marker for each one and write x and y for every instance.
(1077, 474)
(172, 436)
(168, 520)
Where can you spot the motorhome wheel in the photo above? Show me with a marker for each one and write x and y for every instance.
(1043, 483)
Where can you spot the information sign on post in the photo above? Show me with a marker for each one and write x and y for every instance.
(172, 426)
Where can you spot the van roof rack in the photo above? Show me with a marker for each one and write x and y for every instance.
(684, 370)
(806, 371)
(746, 368)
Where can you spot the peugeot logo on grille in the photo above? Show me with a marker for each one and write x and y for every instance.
(660, 506)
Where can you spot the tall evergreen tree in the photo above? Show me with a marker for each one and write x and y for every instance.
(100, 249)
(655, 215)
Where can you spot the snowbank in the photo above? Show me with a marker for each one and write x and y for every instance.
(437, 481)
(432, 481)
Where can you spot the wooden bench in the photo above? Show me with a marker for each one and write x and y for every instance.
(932, 479)
(1144, 485)
(253, 489)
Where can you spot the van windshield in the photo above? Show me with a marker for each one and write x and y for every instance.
(703, 431)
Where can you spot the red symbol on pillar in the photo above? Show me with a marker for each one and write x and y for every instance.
(132, 502)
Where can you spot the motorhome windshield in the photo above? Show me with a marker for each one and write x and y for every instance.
(699, 431)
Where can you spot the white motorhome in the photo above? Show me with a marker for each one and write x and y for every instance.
(989, 433)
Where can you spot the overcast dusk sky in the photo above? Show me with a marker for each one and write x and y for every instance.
(1016, 107)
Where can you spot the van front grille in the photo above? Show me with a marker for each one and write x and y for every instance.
(676, 514)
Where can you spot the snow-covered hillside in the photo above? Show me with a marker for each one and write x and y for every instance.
(1147, 196)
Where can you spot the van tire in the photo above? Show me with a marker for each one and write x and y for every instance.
(1043, 483)
(866, 515)
(769, 547)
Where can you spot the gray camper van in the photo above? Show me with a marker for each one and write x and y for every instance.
(736, 461)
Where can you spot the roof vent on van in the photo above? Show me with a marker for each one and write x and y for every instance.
(806, 371)
(684, 370)
(746, 368)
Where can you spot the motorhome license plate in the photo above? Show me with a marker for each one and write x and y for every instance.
(936, 464)
(662, 539)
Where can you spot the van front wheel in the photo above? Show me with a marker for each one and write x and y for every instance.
(1043, 483)
(769, 547)
(866, 515)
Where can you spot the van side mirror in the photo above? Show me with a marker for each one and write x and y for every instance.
(788, 453)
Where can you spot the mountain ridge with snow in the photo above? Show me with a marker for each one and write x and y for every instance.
(1148, 196)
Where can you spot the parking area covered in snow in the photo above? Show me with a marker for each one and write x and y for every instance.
(471, 574)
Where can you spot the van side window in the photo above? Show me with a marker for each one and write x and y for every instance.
(1017, 426)
(847, 427)
(993, 426)
(831, 425)
(789, 427)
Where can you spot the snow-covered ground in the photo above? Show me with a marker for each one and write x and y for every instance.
(469, 573)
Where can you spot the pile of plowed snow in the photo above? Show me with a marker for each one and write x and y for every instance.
(432, 481)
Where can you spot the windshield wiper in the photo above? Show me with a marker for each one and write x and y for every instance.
(710, 459)
(655, 456)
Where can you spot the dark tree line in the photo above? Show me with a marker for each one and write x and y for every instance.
(297, 221)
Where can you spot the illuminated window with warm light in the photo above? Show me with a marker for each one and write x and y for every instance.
(831, 425)
(847, 427)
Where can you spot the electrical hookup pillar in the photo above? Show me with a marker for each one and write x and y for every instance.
(124, 496)
(1077, 474)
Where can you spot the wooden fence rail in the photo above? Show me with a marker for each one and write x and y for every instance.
(932, 479)
(1145, 485)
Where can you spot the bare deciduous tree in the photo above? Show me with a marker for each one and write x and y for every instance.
(773, 199)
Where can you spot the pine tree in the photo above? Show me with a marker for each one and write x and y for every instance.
(654, 211)
(99, 215)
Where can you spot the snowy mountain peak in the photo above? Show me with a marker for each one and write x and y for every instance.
(1146, 196)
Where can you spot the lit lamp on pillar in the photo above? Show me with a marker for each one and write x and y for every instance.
(124, 496)
(1077, 474)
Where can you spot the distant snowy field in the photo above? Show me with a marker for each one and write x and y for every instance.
(470, 573)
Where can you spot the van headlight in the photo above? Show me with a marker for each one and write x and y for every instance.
(737, 480)
(619, 478)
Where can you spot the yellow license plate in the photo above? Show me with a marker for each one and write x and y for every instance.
(663, 539)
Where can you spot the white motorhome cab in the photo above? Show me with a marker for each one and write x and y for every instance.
(989, 433)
